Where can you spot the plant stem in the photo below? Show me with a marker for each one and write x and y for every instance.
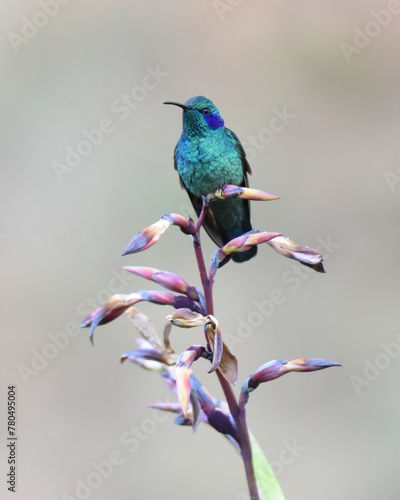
(207, 285)
(238, 414)
(245, 447)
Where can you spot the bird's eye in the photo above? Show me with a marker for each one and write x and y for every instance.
(205, 111)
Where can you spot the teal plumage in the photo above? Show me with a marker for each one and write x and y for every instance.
(207, 157)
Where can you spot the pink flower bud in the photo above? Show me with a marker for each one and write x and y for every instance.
(158, 297)
(244, 242)
(231, 191)
(308, 365)
(277, 368)
(305, 255)
(168, 280)
(113, 308)
(147, 238)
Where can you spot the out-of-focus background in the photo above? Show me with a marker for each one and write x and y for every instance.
(312, 89)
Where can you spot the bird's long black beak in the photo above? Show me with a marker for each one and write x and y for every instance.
(183, 106)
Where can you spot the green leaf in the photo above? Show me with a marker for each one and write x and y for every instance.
(266, 480)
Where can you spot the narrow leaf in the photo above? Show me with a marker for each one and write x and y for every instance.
(265, 477)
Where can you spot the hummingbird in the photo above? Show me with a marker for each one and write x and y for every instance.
(207, 157)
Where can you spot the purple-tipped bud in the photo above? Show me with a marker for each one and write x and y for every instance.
(166, 298)
(245, 242)
(305, 255)
(120, 303)
(88, 321)
(167, 280)
(309, 365)
(277, 368)
(231, 191)
(113, 308)
(158, 297)
(269, 371)
(147, 238)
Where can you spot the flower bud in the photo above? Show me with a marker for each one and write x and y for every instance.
(120, 303)
(147, 238)
(305, 255)
(168, 280)
(245, 242)
(277, 368)
(231, 191)
(112, 309)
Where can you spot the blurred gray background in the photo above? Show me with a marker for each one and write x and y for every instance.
(335, 164)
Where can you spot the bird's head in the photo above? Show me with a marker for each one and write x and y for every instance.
(199, 115)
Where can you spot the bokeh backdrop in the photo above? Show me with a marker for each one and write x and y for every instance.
(330, 70)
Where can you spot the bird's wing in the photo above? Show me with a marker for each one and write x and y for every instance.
(245, 166)
(210, 224)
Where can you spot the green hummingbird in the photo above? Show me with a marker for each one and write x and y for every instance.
(208, 156)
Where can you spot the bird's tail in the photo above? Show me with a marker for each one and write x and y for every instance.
(244, 256)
